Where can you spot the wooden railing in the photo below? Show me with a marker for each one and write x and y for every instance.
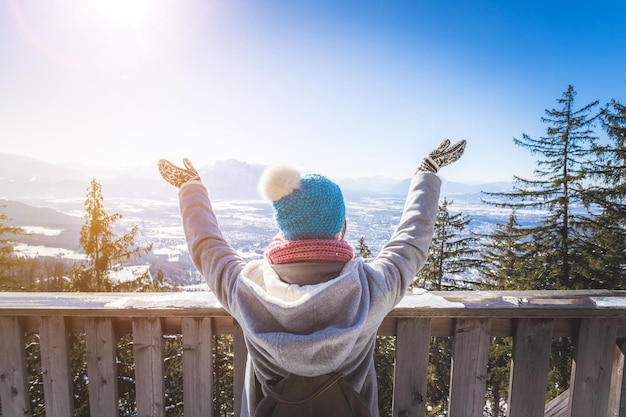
(596, 320)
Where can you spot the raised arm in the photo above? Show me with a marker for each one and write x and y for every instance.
(212, 255)
(406, 251)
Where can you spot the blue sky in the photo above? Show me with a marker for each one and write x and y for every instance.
(345, 88)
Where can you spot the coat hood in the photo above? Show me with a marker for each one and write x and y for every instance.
(307, 329)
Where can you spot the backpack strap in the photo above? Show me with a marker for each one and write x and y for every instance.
(323, 387)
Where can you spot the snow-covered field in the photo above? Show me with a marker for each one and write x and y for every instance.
(248, 224)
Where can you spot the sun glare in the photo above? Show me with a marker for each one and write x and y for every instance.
(131, 11)
(108, 35)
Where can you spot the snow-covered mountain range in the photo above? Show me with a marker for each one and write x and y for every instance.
(25, 178)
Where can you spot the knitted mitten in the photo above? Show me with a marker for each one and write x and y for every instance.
(445, 154)
(176, 175)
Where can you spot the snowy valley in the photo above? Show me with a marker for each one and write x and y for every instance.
(49, 208)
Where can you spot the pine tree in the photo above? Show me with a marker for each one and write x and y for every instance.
(362, 250)
(550, 254)
(103, 249)
(604, 255)
(384, 361)
(223, 370)
(613, 156)
(6, 241)
(438, 388)
(561, 177)
(504, 257)
(606, 200)
(498, 372)
(8, 258)
(452, 250)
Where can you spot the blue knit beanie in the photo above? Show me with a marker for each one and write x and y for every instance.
(305, 206)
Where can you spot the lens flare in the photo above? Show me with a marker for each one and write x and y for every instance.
(108, 35)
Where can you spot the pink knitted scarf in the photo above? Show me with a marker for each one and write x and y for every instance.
(282, 251)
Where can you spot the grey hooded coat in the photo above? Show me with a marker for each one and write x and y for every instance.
(327, 326)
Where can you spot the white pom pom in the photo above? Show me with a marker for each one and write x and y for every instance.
(279, 181)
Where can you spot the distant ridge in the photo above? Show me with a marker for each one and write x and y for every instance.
(27, 179)
(23, 215)
(449, 188)
(25, 167)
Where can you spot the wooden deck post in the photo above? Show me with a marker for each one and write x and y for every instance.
(468, 376)
(530, 364)
(13, 377)
(101, 367)
(197, 366)
(55, 366)
(592, 367)
(148, 350)
(411, 367)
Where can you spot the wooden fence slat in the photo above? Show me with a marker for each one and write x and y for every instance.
(13, 377)
(468, 374)
(530, 364)
(617, 397)
(197, 366)
(149, 382)
(101, 367)
(591, 367)
(411, 367)
(55, 366)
